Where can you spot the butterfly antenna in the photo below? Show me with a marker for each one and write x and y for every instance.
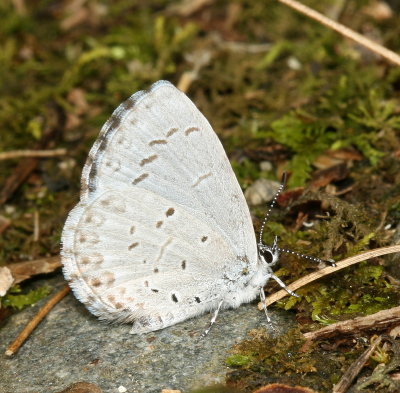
(329, 261)
(271, 206)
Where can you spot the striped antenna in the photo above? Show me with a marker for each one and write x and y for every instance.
(271, 206)
(330, 262)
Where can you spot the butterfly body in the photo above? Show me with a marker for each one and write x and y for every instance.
(162, 231)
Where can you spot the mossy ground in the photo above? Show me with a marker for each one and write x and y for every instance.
(66, 65)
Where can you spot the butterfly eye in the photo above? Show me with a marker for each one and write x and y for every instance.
(267, 255)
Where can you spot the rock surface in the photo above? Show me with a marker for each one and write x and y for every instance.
(261, 191)
(71, 345)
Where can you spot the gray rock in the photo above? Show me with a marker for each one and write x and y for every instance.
(71, 345)
(261, 191)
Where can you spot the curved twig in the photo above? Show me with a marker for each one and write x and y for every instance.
(328, 270)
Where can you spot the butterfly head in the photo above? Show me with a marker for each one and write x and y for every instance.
(268, 255)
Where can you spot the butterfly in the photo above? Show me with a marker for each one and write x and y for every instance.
(162, 231)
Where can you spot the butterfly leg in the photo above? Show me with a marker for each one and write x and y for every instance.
(213, 319)
(283, 285)
(262, 298)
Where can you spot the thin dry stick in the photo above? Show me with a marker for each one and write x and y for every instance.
(355, 368)
(7, 155)
(13, 348)
(328, 270)
(379, 320)
(345, 31)
(36, 226)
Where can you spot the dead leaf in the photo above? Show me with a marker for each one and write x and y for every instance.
(23, 270)
(6, 280)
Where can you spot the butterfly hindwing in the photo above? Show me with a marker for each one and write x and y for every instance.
(139, 255)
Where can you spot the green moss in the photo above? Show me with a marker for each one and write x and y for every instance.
(260, 106)
(361, 290)
(280, 359)
(281, 355)
(351, 113)
(287, 359)
(238, 360)
(18, 300)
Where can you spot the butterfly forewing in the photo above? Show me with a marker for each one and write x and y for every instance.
(159, 203)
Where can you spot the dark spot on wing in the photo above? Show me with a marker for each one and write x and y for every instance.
(174, 298)
(148, 160)
(183, 265)
(92, 176)
(197, 299)
(89, 160)
(129, 104)
(201, 178)
(171, 132)
(157, 142)
(102, 146)
(190, 130)
(170, 212)
(114, 122)
(133, 245)
(95, 282)
(140, 178)
(204, 238)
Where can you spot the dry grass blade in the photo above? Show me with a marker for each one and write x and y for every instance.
(345, 31)
(8, 155)
(329, 270)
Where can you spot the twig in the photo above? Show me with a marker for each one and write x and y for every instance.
(7, 155)
(27, 165)
(36, 226)
(13, 348)
(18, 176)
(349, 376)
(345, 31)
(381, 319)
(328, 270)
